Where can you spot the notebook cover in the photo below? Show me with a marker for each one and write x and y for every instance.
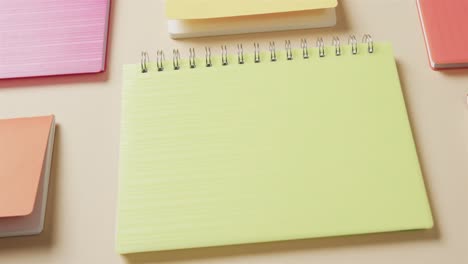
(252, 24)
(445, 25)
(199, 9)
(52, 37)
(23, 148)
(266, 151)
(33, 223)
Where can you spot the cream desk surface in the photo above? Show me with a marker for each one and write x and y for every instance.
(81, 216)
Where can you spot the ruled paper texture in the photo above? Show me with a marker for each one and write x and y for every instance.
(52, 37)
(261, 152)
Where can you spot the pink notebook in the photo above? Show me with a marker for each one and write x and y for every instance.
(52, 37)
(445, 25)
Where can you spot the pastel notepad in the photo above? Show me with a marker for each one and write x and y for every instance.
(445, 25)
(52, 37)
(25, 159)
(190, 9)
(188, 18)
(250, 24)
(267, 151)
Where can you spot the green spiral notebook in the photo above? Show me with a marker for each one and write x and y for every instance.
(275, 145)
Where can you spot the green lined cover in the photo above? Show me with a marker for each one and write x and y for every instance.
(266, 151)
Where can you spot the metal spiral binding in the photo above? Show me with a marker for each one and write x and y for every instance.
(176, 59)
(337, 44)
(240, 54)
(160, 58)
(321, 47)
(256, 52)
(192, 61)
(208, 57)
(144, 61)
(370, 43)
(272, 51)
(224, 55)
(353, 42)
(287, 47)
(305, 49)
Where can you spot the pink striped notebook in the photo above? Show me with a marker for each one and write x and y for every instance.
(52, 37)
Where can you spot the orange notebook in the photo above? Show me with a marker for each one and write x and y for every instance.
(445, 26)
(26, 146)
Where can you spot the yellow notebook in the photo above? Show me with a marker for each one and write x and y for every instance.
(202, 18)
(275, 145)
(201, 9)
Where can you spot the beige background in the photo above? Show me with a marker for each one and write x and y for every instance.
(81, 215)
